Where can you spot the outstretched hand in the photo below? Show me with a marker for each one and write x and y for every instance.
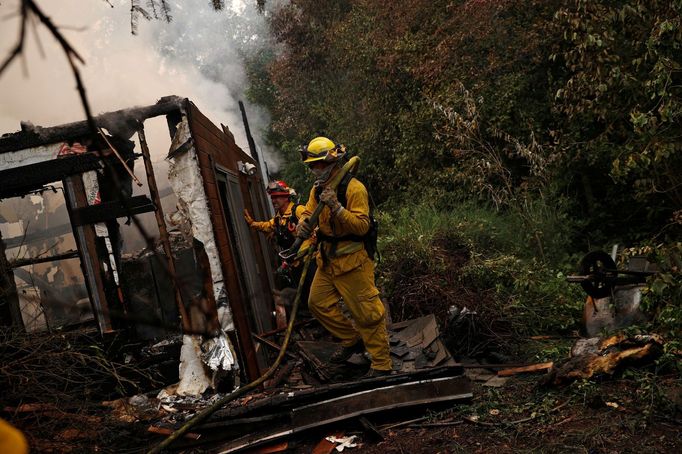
(248, 218)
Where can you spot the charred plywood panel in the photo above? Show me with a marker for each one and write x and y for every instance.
(187, 183)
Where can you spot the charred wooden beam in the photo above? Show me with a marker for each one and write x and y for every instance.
(249, 137)
(34, 261)
(161, 224)
(21, 180)
(91, 265)
(122, 123)
(107, 211)
(51, 232)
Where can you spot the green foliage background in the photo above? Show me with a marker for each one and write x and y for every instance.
(555, 124)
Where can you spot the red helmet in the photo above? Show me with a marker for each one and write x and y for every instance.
(278, 188)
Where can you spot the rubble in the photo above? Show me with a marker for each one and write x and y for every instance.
(303, 402)
(342, 443)
(414, 345)
(290, 413)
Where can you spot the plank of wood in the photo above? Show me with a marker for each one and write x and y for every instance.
(277, 447)
(519, 370)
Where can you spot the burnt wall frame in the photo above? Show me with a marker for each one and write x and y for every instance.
(217, 151)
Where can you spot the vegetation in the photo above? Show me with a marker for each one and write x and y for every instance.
(501, 139)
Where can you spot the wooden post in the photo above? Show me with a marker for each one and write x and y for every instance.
(10, 310)
(163, 232)
(86, 240)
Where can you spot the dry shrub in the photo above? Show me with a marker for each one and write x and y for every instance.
(53, 386)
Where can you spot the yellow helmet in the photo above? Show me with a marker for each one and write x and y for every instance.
(322, 148)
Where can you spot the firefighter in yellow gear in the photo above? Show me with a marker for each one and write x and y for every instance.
(283, 225)
(344, 268)
(283, 228)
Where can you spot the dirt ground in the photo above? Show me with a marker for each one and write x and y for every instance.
(619, 416)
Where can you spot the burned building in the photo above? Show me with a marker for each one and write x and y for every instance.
(69, 195)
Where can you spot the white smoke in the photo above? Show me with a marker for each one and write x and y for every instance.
(197, 56)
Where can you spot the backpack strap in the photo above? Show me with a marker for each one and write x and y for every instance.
(342, 188)
(293, 218)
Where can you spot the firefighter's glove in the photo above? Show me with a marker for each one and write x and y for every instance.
(303, 229)
(248, 218)
(328, 197)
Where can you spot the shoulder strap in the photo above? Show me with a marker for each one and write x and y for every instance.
(294, 218)
(343, 188)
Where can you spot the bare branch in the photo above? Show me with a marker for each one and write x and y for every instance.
(19, 46)
(152, 5)
(34, 28)
(166, 11)
(135, 12)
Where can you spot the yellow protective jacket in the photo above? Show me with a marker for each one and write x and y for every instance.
(281, 219)
(352, 220)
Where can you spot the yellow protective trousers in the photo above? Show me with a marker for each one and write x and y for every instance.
(361, 297)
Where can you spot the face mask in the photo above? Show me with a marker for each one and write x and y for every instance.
(317, 171)
(322, 173)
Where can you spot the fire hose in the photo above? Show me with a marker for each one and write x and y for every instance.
(208, 411)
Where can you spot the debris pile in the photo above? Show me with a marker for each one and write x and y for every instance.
(309, 392)
(273, 415)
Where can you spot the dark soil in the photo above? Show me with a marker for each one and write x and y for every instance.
(574, 419)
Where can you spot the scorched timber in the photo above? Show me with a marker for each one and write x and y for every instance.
(383, 398)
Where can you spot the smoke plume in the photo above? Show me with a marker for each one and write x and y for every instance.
(196, 55)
